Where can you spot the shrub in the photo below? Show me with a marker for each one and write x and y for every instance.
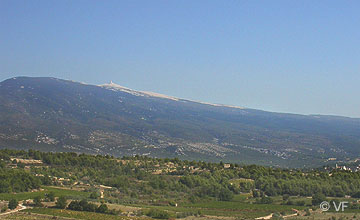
(264, 200)
(186, 214)
(300, 203)
(356, 194)
(3, 209)
(225, 195)
(13, 203)
(37, 201)
(318, 198)
(50, 196)
(290, 202)
(102, 208)
(277, 216)
(84, 205)
(75, 205)
(156, 213)
(286, 197)
(94, 195)
(61, 203)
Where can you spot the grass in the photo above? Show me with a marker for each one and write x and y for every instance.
(230, 209)
(79, 215)
(239, 206)
(58, 192)
(241, 197)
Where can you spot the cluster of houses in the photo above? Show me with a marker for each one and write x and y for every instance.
(343, 168)
(349, 166)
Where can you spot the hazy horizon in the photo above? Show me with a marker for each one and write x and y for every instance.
(279, 56)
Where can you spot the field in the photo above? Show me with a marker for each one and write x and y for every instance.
(238, 209)
(78, 215)
(31, 216)
(228, 209)
(73, 194)
(241, 207)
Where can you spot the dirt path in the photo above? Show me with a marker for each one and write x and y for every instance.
(285, 216)
(265, 217)
(208, 217)
(297, 212)
(19, 208)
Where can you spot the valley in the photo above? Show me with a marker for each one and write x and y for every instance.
(75, 186)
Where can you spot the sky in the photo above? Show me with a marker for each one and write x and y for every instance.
(283, 56)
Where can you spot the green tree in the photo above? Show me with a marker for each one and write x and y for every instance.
(2, 164)
(286, 197)
(37, 201)
(75, 205)
(266, 200)
(20, 165)
(225, 195)
(300, 203)
(51, 196)
(61, 202)
(255, 193)
(13, 203)
(3, 209)
(94, 195)
(318, 198)
(103, 208)
(356, 194)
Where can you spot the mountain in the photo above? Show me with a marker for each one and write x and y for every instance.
(59, 115)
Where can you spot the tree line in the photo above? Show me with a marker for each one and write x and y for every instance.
(133, 177)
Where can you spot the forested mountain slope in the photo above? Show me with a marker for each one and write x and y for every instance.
(59, 115)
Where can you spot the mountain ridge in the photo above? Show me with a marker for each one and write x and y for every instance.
(60, 115)
(160, 95)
